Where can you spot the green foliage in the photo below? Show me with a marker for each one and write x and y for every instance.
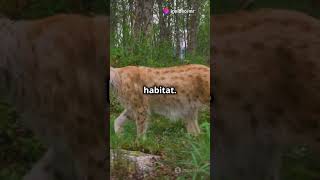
(162, 56)
(144, 53)
(18, 148)
(197, 151)
(151, 48)
(203, 35)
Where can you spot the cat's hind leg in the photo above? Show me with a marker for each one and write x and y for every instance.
(53, 165)
(192, 123)
(118, 123)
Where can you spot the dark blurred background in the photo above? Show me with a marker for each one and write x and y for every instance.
(299, 163)
(28, 9)
(19, 149)
(311, 7)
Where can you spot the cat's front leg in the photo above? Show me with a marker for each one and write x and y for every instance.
(142, 120)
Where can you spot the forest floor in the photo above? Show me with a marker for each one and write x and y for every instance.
(177, 149)
(19, 149)
(182, 155)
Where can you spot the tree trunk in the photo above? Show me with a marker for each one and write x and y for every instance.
(185, 33)
(162, 24)
(113, 14)
(177, 31)
(131, 13)
(193, 26)
(143, 17)
(124, 23)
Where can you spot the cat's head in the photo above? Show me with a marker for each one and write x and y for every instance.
(114, 81)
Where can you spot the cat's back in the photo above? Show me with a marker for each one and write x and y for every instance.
(175, 76)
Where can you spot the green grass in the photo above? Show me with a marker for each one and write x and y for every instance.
(19, 149)
(170, 140)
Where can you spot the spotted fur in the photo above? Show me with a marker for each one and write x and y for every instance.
(191, 83)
